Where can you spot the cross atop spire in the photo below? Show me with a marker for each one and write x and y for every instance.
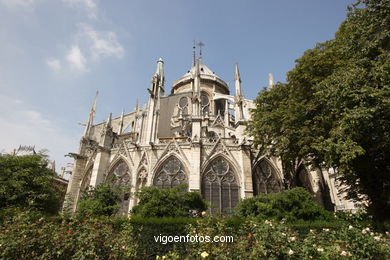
(200, 44)
(193, 55)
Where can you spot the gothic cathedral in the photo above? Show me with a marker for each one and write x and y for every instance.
(194, 136)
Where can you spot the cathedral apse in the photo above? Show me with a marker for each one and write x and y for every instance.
(193, 134)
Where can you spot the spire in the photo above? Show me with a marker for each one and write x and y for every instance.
(53, 165)
(109, 120)
(193, 55)
(121, 122)
(239, 98)
(237, 81)
(200, 44)
(197, 77)
(270, 80)
(136, 108)
(197, 68)
(91, 116)
(160, 73)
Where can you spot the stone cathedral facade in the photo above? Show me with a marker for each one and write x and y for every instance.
(193, 135)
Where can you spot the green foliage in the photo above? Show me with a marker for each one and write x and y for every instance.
(174, 202)
(102, 200)
(292, 205)
(28, 235)
(26, 182)
(334, 109)
(145, 230)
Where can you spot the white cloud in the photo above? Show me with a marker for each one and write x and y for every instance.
(54, 64)
(23, 125)
(89, 46)
(89, 6)
(103, 44)
(19, 3)
(76, 59)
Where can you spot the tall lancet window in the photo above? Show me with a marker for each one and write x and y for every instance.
(220, 186)
(303, 179)
(86, 180)
(205, 103)
(265, 179)
(119, 176)
(170, 174)
(183, 106)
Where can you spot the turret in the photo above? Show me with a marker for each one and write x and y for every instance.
(156, 91)
(91, 117)
(270, 80)
(239, 97)
(237, 82)
(121, 122)
(159, 78)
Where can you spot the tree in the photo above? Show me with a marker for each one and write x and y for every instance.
(334, 110)
(27, 183)
(102, 200)
(291, 205)
(174, 202)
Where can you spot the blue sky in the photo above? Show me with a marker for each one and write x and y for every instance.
(55, 54)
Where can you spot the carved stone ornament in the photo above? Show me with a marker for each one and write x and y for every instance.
(120, 175)
(220, 186)
(265, 179)
(170, 174)
(219, 172)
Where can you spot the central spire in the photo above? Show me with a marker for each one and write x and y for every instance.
(200, 44)
(193, 55)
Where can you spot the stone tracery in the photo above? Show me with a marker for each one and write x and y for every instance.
(220, 186)
(265, 179)
(120, 175)
(170, 174)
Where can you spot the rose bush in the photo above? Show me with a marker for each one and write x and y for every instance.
(30, 235)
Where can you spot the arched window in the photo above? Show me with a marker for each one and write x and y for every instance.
(170, 174)
(205, 103)
(183, 106)
(265, 179)
(220, 186)
(119, 176)
(303, 179)
(219, 107)
(86, 180)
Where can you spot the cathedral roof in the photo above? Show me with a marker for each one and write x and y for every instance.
(205, 73)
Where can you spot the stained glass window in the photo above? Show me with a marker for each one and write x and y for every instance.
(265, 179)
(170, 174)
(183, 106)
(86, 180)
(205, 103)
(120, 174)
(220, 186)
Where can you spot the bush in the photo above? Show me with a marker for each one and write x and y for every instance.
(102, 200)
(292, 205)
(174, 202)
(29, 236)
(27, 183)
